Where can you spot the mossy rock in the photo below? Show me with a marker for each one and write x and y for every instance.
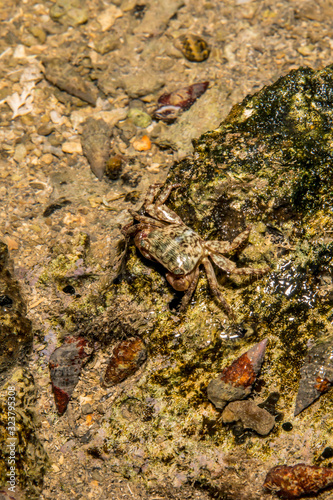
(23, 455)
(15, 328)
(268, 165)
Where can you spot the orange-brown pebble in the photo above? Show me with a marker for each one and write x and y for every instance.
(126, 358)
(297, 480)
(236, 380)
(143, 144)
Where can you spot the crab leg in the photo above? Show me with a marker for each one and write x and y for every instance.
(215, 287)
(227, 247)
(157, 209)
(230, 267)
(189, 292)
(145, 220)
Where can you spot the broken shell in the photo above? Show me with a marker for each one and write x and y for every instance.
(236, 380)
(193, 47)
(171, 105)
(252, 416)
(127, 357)
(301, 479)
(65, 368)
(167, 113)
(96, 144)
(316, 375)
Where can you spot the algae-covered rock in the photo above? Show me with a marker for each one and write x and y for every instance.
(15, 328)
(268, 166)
(24, 460)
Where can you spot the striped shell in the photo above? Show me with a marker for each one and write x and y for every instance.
(193, 47)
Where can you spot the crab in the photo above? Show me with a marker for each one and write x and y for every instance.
(162, 236)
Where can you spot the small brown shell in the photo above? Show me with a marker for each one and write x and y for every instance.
(193, 47)
(297, 480)
(127, 357)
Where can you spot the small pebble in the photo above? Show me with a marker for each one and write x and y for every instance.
(143, 144)
(47, 158)
(72, 147)
(86, 409)
(139, 117)
(45, 129)
(107, 17)
(251, 416)
(107, 43)
(20, 153)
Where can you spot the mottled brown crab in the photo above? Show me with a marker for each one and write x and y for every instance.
(163, 237)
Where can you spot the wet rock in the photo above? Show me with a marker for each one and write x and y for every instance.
(236, 380)
(250, 415)
(107, 43)
(65, 368)
(65, 77)
(316, 375)
(193, 47)
(268, 163)
(205, 114)
(157, 16)
(16, 335)
(18, 396)
(95, 140)
(297, 480)
(127, 357)
(107, 17)
(170, 106)
(143, 82)
(69, 12)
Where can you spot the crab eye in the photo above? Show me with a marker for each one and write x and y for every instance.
(178, 271)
